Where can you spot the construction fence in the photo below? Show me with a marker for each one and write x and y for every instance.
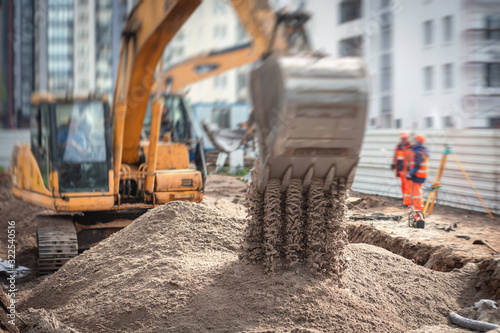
(478, 150)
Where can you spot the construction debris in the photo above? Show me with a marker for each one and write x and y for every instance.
(374, 217)
(484, 242)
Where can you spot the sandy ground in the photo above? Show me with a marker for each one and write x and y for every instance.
(468, 223)
(475, 225)
(176, 269)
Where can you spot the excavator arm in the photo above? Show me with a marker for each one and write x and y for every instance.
(148, 30)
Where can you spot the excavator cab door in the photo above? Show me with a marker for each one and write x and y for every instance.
(82, 146)
(40, 140)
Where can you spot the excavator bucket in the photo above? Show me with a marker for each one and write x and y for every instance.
(310, 117)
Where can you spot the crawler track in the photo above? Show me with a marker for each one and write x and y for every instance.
(57, 242)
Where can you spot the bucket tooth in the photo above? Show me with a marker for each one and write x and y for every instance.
(293, 229)
(315, 225)
(272, 225)
(254, 232)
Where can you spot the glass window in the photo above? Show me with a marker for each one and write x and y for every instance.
(386, 39)
(385, 105)
(493, 27)
(447, 28)
(384, 3)
(428, 78)
(429, 122)
(34, 121)
(447, 76)
(447, 122)
(350, 10)
(385, 84)
(493, 75)
(221, 117)
(81, 147)
(398, 123)
(428, 38)
(351, 47)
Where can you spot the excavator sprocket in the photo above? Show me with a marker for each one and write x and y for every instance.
(310, 113)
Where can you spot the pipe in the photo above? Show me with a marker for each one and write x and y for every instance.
(475, 325)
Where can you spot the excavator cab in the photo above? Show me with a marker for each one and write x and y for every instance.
(69, 155)
(178, 125)
(81, 145)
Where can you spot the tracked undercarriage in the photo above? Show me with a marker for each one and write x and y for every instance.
(310, 114)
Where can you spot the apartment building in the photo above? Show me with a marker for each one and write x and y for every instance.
(432, 63)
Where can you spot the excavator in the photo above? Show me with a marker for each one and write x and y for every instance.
(87, 162)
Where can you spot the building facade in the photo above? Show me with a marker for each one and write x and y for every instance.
(432, 63)
(77, 50)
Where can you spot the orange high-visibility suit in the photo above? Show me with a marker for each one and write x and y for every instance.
(400, 164)
(417, 174)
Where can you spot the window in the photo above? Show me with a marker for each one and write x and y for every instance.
(219, 7)
(493, 27)
(493, 75)
(447, 76)
(180, 51)
(220, 81)
(386, 62)
(242, 81)
(180, 36)
(385, 39)
(373, 122)
(386, 120)
(385, 104)
(221, 117)
(398, 123)
(428, 27)
(447, 122)
(385, 81)
(351, 47)
(429, 122)
(428, 78)
(494, 122)
(350, 10)
(242, 33)
(219, 31)
(447, 28)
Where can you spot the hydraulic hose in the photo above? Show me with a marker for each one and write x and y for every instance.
(475, 325)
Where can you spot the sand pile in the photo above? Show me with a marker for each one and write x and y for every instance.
(176, 269)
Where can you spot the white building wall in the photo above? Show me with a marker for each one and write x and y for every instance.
(469, 102)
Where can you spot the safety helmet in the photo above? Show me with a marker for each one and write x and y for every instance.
(404, 135)
(420, 138)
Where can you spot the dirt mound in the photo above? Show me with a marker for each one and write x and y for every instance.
(226, 206)
(176, 269)
(41, 321)
(12, 209)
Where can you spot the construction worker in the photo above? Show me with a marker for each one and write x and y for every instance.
(417, 172)
(400, 164)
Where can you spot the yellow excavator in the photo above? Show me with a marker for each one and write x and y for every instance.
(89, 163)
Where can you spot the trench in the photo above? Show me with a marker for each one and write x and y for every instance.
(438, 258)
